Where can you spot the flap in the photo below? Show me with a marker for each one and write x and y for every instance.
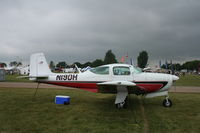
(122, 83)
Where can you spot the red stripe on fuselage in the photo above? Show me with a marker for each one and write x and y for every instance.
(92, 87)
(91, 90)
(150, 87)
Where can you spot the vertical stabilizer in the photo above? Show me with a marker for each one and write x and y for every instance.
(39, 66)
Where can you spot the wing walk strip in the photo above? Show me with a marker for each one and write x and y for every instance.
(146, 125)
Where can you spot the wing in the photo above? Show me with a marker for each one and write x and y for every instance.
(111, 86)
(118, 83)
(120, 87)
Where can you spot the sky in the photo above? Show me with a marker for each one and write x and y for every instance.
(84, 30)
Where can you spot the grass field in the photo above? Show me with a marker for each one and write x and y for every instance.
(94, 113)
(189, 80)
(13, 78)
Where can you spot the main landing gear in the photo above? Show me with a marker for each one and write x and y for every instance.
(122, 104)
(121, 98)
(167, 102)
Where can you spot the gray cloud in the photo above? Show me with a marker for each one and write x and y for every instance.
(77, 30)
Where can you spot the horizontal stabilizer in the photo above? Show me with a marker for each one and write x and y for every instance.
(118, 83)
(20, 77)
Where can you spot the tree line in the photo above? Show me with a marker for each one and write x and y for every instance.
(189, 65)
(12, 64)
(108, 59)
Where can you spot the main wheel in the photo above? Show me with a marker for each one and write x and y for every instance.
(126, 103)
(120, 105)
(167, 103)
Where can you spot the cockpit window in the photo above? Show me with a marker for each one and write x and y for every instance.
(121, 70)
(100, 70)
(137, 70)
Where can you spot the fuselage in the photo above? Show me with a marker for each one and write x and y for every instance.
(122, 79)
(147, 82)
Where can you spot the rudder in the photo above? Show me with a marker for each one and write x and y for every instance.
(39, 66)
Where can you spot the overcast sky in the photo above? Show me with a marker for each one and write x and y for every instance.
(83, 30)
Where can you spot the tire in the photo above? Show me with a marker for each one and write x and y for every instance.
(126, 103)
(117, 106)
(120, 105)
(167, 104)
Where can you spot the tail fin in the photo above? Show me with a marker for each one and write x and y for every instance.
(38, 66)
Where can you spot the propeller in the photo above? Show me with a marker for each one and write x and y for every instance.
(175, 78)
(174, 85)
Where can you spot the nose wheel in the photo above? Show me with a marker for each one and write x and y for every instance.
(167, 102)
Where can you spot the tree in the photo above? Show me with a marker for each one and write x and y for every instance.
(78, 64)
(142, 59)
(19, 64)
(177, 67)
(3, 64)
(97, 62)
(13, 63)
(62, 64)
(109, 58)
(87, 64)
(191, 65)
(52, 65)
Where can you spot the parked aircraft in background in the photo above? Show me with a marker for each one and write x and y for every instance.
(23, 70)
(9, 68)
(121, 79)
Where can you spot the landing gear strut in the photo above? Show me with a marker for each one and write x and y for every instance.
(121, 98)
(167, 102)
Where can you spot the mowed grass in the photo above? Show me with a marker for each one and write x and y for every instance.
(189, 80)
(94, 113)
(15, 78)
(182, 117)
(88, 112)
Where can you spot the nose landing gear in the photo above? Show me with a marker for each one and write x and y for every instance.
(167, 102)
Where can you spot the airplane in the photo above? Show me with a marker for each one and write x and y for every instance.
(122, 79)
(9, 68)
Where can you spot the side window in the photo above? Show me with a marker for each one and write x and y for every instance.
(121, 70)
(100, 70)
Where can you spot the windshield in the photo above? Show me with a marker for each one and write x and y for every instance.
(137, 70)
(100, 70)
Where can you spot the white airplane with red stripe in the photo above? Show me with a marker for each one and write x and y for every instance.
(122, 79)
